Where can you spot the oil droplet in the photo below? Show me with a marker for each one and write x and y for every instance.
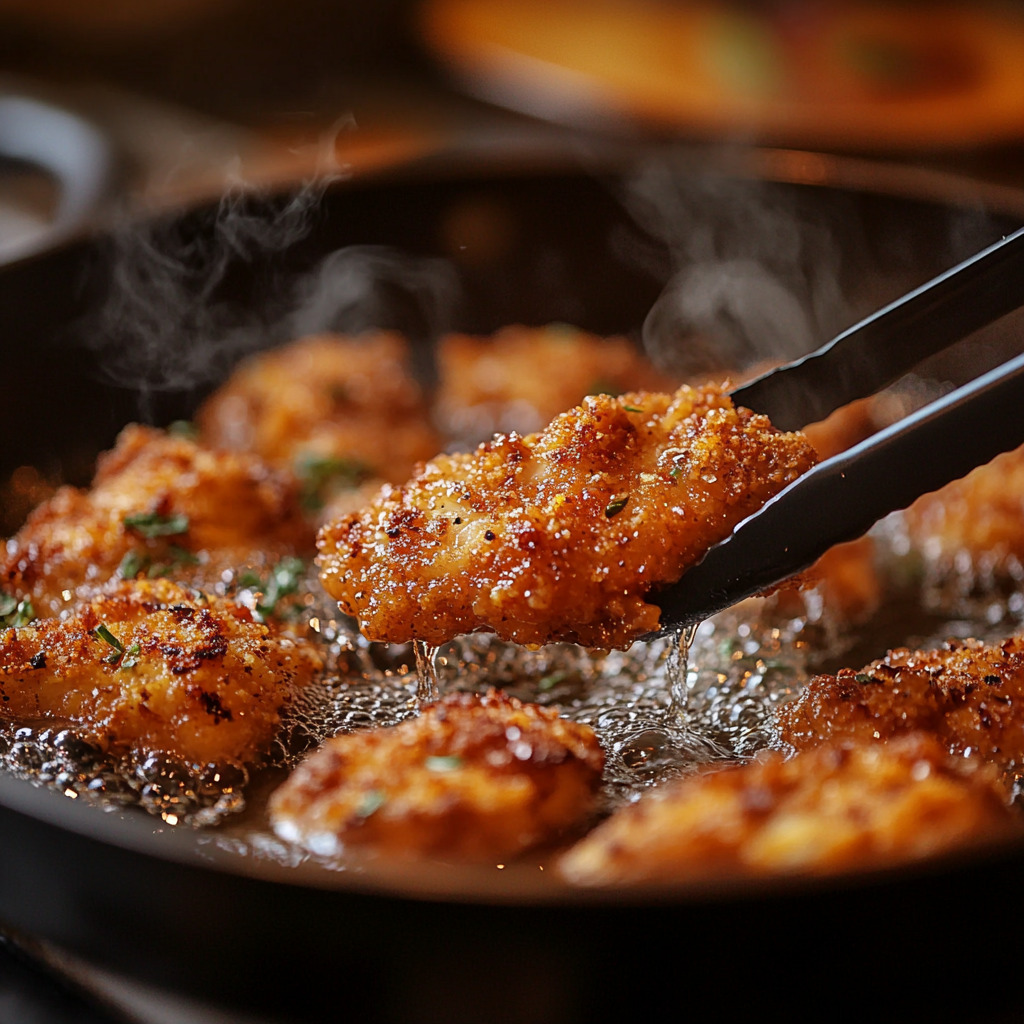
(427, 688)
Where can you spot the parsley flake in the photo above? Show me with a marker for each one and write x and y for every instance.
(551, 681)
(373, 801)
(321, 474)
(632, 408)
(107, 637)
(443, 764)
(14, 613)
(131, 656)
(616, 505)
(152, 524)
(185, 429)
(283, 580)
(863, 677)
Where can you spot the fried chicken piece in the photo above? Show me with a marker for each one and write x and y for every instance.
(156, 504)
(472, 777)
(522, 377)
(150, 666)
(837, 808)
(969, 696)
(336, 411)
(981, 514)
(559, 535)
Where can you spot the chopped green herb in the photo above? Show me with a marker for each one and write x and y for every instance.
(14, 613)
(551, 681)
(616, 505)
(443, 764)
(321, 474)
(604, 387)
(131, 656)
(675, 471)
(131, 565)
(152, 524)
(108, 638)
(374, 800)
(184, 428)
(283, 580)
(632, 408)
(863, 677)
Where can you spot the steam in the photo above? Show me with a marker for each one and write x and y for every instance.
(753, 276)
(171, 323)
(164, 325)
(366, 286)
(756, 271)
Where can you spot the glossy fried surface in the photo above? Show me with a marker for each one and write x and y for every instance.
(192, 676)
(185, 501)
(969, 696)
(559, 535)
(471, 777)
(980, 514)
(522, 377)
(333, 409)
(836, 808)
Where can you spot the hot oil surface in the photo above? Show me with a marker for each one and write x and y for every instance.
(742, 664)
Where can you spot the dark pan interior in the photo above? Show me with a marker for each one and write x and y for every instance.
(561, 247)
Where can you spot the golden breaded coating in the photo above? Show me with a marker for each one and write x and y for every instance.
(472, 777)
(969, 696)
(559, 535)
(149, 666)
(157, 502)
(334, 410)
(982, 513)
(837, 808)
(522, 377)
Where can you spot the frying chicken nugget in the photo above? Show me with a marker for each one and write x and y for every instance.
(336, 411)
(981, 514)
(157, 502)
(471, 777)
(836, 808)
(969, 696)
(150, 666)
(559, 535)
(522, 377)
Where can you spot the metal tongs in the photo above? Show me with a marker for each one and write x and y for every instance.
(842, 497)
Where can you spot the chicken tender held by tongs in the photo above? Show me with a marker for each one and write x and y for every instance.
(559, 535)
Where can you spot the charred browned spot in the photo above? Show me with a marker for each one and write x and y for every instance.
(212, 705)
(181, 612)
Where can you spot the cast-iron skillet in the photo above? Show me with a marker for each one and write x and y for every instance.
(435, 942)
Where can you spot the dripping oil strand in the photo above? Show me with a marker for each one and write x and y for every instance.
(427, 688)
(676, 672)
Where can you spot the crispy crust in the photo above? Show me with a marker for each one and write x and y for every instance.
(207, 683)
(471, 777)
(235, 505)
(326, 396)
(529, 537)
(836, 808)
(520, 378)
(969, 696)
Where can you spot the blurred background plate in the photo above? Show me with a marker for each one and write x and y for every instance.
(846, 75)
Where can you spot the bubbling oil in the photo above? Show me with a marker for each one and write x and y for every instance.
(660, 709)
